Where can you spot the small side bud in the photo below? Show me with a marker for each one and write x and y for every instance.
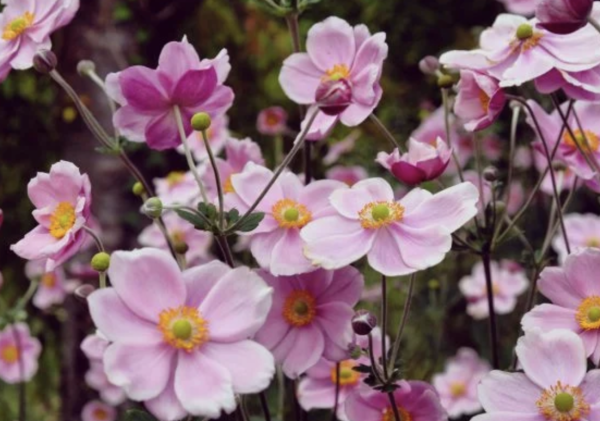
(180, 247)
(363, 322)
(153, 208)
(201, 122)
(429, 65)
(355, 352)
(44, 61)
(138, 189)
(445, 81)
(490, 174)
(334, 96)
(85, 67)
(101, 262)
(500, 207)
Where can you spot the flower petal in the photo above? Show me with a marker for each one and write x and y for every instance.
(510, 392)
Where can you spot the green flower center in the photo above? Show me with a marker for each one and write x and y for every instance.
(564, 402)
(380, 212)
(524, 31)
(291, 214)
(182, 329)
(594, 314)
(301, 308)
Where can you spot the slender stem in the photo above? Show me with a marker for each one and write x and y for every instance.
(386, 133)
(95, 237)
(213, 163)
(478, 165)
(337, 391)
(22, 383)
(384, 326)
(394, 406)
(163, 229)
(493, 331)
(111, 104)
(102, 279)
(308, 170)
(224, 245)
(446, 104)
(407, 305)
(278, 150)
(292, 22)
(24, 300)
(374, 365)
(265, 406)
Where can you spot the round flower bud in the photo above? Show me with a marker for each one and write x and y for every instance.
(44, 61)
(101, 262)
(429, 65)
(445, 81)
(84, 67)
(153, 208)
(180, 247)
(138, 189)
(500, 207)
(201, 122)
(490, 174)
(363, 322)
(334, 96)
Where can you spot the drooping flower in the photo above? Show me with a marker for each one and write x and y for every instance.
(148, 97)
(563, 16)
(398, 237)
(63, 200)
(337, 52)
(217, 135)
(166, 326)
(521, 7)
(575, 297)
(177, 188)
(507, 285)
(98, 411)
(19, 354)
(288, 206)
(479, 101)
(348, 175)
(457, 386)
(553, 387)
(272, 121)
(317, 389)
(93, 346)
(53, 287)
(310, 317)
(583, 230)
(422, 162)
(26, 26)
(415, 400)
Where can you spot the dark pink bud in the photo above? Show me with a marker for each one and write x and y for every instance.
(44, 61)
(363, 322)
(563, 16)
(334, 96)
(429, 65)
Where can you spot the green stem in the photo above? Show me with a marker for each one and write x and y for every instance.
(384, 314)
(213, 163)
(95, 237)
(493, 330)
(386, 133)
(402, 325)
(446, 104)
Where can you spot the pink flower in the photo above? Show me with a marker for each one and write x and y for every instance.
(272, 121)
(181, 232)
(337, 51)
(457, 386)
(19, 354)
(342, 147)
(166, 326)
(98, 411)
(422, 162)
(479, 101)
(52, 289)
(217, 134)
(288, 206)
(177, 188)
(415, 400)
(563, 16)
(148, 97)
(318, 388)
(26, 27)
(522, 7)
(398, 237)
(348, 175)
(554, 385)
(310, 317)
(507, 285)
(62, 199)
(93, 346)
(575, 297)
(582, 230)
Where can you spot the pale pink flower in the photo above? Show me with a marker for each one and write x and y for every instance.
(272, 121)
(63, 200)
(148, 96)
(457, 385)
(177, 188)
(583, 230)
(553, 387)
(398, 237)
(348, 175)
(575, 300)
(52, 288)
(415, 400)
(19, 354)
(26, 27)
(317, 389)
(480, 100)
(507, 285)
(217, 135)
(93, 346)
(310, 317)
(521, 7)
(166, 326)
(98, 411)
(342, 147)
(337, 52)
(288, 206)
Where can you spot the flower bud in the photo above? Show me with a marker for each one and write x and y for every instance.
(44, 61)
(563, 16)
(201, 122)
(153, 208)
(445, 81)
(138, 189)
(490, 174)
(363, 322)
(101, 262)
(84, 67)
(355, 352)
(429, 65)
(334, 96)
(180, 247)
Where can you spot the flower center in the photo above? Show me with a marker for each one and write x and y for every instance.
(300, 308)
(593, 242)
(272, 119)
(388, 414)
(563, 403)
(348, 376)
(17, 26)
(62, 220)
(228, 185)
(337, 72)
(458, 389)
(100, 414)
(183, 328)
(291, 214)
(380, 214)
(586, 140)
(484, 99)
(175, 177)
(588, 313)
(48, 280)
(9, 354)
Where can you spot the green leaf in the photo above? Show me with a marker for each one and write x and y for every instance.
(192, 218)
(233, 216)
(251, 222)
(138, 415)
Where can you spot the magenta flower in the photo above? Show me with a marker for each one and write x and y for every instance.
(19, 354)
(563, 16)
(521, 7)
(583, 230)
(272, 121)
(415, 400)
(98, 411)
(52, 288)
(148, 97)
(398, 237)
(93, 346)
(337, 51)
(422, 162)
(166, 326)
(177, 188)
(347, 175)
(63, 200)
(310, 317)
(575, 298)
(457, 385)
(317, 389)
(507, 285)
(26, 27)
(479, 101)
(217, 135)
(553, 387)
(288, 206)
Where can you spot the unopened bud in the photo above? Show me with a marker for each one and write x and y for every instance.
(44, 61)
(363, 322)
(355, 352)
(101, 262)
(334, 96)
(500, 207)
(138, 189)
(180, 247)
(490, 174)
(201, 122)
(445, 81)
(429, 65)
(153, 208)
(85, 67)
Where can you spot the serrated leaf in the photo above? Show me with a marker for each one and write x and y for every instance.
(138, 415)
(192, 218)
(233, 216)
(251, 222)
